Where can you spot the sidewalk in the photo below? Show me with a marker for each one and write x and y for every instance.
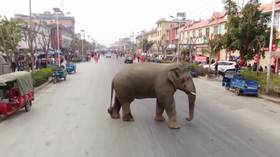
(270, 98)
(263, 96)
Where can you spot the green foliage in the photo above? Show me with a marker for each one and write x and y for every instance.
(10, 35)
(247, 32)
(146, 45)
(41, 76)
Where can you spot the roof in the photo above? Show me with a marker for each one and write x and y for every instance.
(216, 18)
(267, 7)
(23, 78)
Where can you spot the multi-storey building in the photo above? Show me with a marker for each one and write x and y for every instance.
(196, 34)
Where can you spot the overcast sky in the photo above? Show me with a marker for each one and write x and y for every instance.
(108, 20)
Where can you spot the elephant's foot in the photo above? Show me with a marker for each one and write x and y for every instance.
(173, 125)
(113, 114)
(159, 118)
(128, 117)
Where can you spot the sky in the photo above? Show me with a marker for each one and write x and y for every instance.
(108, 20)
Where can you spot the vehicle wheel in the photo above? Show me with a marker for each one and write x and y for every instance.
(238, 92)
(28, 106)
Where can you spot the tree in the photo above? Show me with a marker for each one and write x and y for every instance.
(231, 10)
(45, 39)
(162, 44)
(30, 36)
(252, 34)
(215, 45)
(146, 45)
(10, 36)
(247, 31)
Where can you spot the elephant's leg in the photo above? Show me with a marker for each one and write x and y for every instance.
(159, 112)
(126, 112)
(116, 109)
(169, 106)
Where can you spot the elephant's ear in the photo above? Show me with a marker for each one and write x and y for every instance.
(173, 77)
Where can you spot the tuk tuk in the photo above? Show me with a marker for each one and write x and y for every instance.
(71, 68)
(235, 81)
(16, 92)
(59, 73)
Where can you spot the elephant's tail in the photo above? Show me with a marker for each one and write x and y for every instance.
(112, 93)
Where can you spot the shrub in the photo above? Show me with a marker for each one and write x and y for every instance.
(41, 76)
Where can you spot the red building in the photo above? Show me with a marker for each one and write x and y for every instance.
(65, 37)
(172, 37)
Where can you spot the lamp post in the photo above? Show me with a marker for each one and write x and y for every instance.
(83, 32)
(57, 11)
(178, 42)
(270, 46)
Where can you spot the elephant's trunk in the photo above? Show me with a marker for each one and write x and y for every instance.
(192, 97)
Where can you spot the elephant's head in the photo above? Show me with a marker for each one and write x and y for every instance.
(183, 81)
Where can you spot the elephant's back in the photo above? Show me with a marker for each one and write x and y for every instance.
(139, 79)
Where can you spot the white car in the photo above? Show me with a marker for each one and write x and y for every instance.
(108, 55)
(222, 65)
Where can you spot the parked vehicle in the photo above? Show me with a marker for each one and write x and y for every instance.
(192, 71)
(59, 74)
(222, 65)
(128, 59)
(16, 92)
(235, 81)
(108, 55)
(71, 68)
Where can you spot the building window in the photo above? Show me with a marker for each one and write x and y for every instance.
(200, 33)
(216, 30)
(193, 34)
(207, 32)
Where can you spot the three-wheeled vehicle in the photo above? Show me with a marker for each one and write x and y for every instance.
(59, 73)
(71, 68)
(192, 71)
(235, 81)
(16, 92)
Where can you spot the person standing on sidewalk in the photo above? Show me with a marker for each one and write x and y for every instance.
(216, 68)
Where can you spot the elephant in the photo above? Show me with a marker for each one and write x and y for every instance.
(150, 80)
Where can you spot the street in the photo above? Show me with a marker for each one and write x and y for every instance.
(70, 119)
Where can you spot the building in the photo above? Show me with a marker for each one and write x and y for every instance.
(48, 18)
(65, 37)
(159, 35)
(196, 34)
(48, 21)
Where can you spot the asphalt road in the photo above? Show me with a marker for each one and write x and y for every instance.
(69, 119)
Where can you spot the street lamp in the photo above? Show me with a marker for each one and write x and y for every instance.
(178, 42)
(83, 32)
(270, 44)
(57, 11)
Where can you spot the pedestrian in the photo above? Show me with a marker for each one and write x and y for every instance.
(255, 66)
(260, 69)
(265, 69)
(249, 67)
(216, 68)
(138, 58)
(236, 66)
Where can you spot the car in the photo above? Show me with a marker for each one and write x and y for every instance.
(108, 55)
(128, 60)
(222, 65)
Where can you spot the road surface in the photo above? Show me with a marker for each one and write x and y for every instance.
(69, 119)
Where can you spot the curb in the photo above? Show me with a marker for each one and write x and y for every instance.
(41, 86)
(274, 100)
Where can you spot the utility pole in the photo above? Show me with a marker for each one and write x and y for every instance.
(270, 47)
